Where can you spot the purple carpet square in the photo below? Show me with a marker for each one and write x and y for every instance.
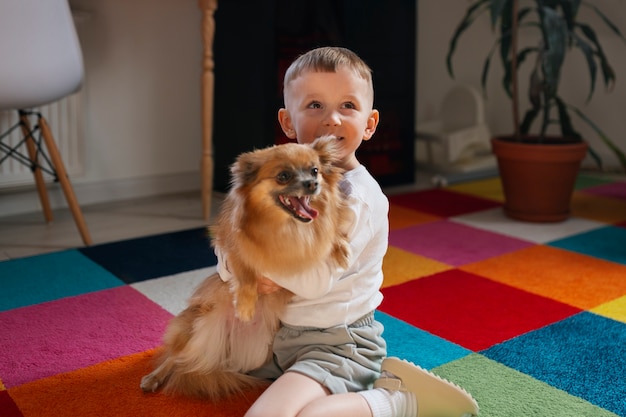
(613, 190)
(64, 335)
(453, 243)
(443, 203)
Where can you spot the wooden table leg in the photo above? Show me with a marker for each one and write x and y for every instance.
(208, 8)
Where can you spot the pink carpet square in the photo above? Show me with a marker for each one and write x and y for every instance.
(71, 333)
(453, 243)
(469, 310)
(613, 190)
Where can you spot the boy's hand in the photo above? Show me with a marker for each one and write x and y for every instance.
(266, 286)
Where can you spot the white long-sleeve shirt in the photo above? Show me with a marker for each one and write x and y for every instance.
(326, 297)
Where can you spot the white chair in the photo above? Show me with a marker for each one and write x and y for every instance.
(41, 62)
(458, 141)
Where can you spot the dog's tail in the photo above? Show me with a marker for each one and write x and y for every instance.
(212, 386)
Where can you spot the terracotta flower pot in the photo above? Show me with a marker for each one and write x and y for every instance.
(538, 179)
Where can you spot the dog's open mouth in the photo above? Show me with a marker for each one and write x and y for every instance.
(299, 207)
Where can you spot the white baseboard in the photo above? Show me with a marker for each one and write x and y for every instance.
(25, 199)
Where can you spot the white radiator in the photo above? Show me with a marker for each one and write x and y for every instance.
(65, 120)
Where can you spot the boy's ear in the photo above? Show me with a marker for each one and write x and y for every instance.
(372, 123)
(285, 123)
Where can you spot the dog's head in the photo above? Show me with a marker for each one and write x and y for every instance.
(289, 176)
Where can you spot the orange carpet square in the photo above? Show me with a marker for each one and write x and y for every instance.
(111, 389)
(602, 209)
(572, 278)
(400, 217)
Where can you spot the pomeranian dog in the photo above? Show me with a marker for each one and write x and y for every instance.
(284, 214)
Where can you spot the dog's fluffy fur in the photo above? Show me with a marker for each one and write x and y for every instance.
(284, 214)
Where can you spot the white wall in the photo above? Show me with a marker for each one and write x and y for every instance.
(142, 92)
(437, 22)
(142, 125)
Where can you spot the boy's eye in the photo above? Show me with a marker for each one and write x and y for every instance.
(284, 177)
(349, 105)
(315, 105)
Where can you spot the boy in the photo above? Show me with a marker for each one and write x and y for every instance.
(329, 342)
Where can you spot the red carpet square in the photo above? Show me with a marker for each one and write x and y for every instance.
(442, 202)
(67, 334)
(469, 310)
(453, 243)
(8, 406)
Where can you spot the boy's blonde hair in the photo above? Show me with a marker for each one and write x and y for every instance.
(329, 59)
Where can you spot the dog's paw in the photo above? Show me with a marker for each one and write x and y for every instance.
(150, 383)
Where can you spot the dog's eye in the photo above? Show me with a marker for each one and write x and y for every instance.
(314, 171)
(284, 177)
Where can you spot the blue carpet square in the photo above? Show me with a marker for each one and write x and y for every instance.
(605, 243)
(582, 355)
(416, 345)
(155, 256)
(37, 279)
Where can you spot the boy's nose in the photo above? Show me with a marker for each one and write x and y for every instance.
(332, 119)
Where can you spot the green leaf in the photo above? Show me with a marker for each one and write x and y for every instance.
(570, 10)
(535, 89)
(471, 14)
(555, 35)
(529, 118)
(607, 141)
(607, 71)
(606, 20)
(591, 63)
(567, 129)
(495, 10)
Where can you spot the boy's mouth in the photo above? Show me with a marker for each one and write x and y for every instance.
(298, 207)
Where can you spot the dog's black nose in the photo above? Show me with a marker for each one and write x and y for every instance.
(310, 185)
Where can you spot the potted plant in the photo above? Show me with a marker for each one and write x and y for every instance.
(526, 155)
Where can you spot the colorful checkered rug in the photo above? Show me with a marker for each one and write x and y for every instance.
(530, 318)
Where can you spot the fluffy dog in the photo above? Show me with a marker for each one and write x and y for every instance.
(284, 214)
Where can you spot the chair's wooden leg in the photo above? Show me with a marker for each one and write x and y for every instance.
(37, 173)
(55, 157)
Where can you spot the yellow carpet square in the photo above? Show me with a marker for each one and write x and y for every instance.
(615, 309)
(490, 188)
(400, 266)
(578, 280)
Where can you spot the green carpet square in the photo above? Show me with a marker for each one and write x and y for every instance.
(505, 392)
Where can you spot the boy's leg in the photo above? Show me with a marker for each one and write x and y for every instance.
(296, 394)
(287, 396)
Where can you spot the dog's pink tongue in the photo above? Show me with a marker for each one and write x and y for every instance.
(302, 207)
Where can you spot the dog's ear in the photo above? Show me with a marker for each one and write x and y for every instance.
(326, 147)
(245, 169)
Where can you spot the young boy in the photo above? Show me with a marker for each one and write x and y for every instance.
(330, 343)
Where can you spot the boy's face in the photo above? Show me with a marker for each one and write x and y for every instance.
(330, 103)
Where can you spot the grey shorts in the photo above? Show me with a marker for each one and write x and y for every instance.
(345, 358)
